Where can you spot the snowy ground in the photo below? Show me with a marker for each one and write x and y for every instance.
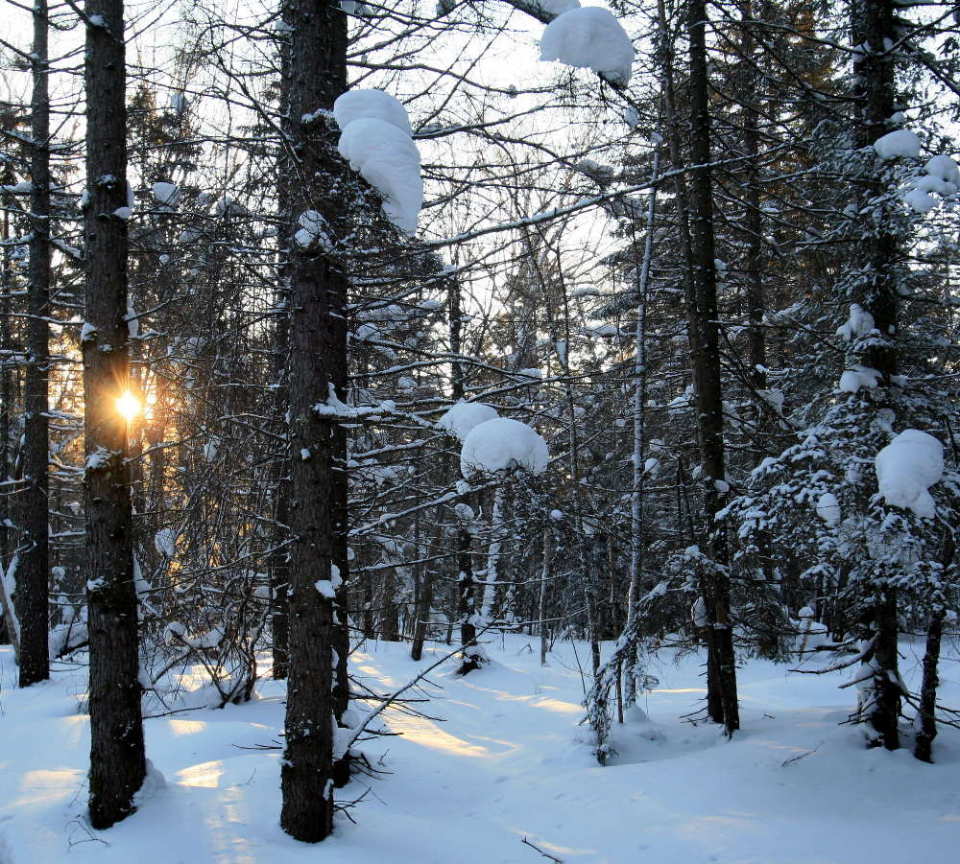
(508, 762)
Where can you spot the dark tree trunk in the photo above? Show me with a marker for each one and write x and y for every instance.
(34, 571)
(117, 760)
(466, 587)
(317, 513)
(8, 627)
(884, 710)
(873, 24)
(705, 357)
(424, 605)
(923, 747)
(279, 559)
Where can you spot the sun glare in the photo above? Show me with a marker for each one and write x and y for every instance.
(128, 406)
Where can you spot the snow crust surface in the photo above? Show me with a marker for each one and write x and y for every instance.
(797, 787)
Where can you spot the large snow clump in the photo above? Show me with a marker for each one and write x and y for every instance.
(460, 419)
(899, 144)
(589, 38)
(375, 139)
(359, 104)
(906, 469)
(500, 444)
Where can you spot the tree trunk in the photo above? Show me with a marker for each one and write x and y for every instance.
(466, 587)
(9, 627)
(545, 574)
(705, 357)
(33, 574)
(884, 707)
(318, 336)
(279, 559)
(637, 538)
(927, 720)
(874, 87)
(117, 759)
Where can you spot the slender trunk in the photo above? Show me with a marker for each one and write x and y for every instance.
(873, 24)
(637, 538)
(117, 758)
(466, 587)
(705, 357)
(8, 627)
(545, 574)
(927, 716)
(279, 560)
(883, 710)
(318, 297)
(34, 572)
(493, 557)
(753, 218)
(424, 606)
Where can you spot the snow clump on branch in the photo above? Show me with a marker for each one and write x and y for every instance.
(906, 469)
(899, 144)
(375, 139)
(502, 444)
(460, 419)
(590, 38)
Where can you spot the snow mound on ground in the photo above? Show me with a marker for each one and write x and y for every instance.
(589, 38)
(388, 160)
(367, 104)
(901, 143)
(499, 444)
(461, 418)
(906, 469)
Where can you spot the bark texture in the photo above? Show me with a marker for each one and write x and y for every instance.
(317, 508)
(117, 759)
(873, 25)
(33, 573)
(705, 356)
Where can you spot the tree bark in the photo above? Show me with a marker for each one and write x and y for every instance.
(117, 758)
(873, 26)
(637, 538)
(923, 746)
(279, 559)
(705, 357)
(318, 336)
(33, 574)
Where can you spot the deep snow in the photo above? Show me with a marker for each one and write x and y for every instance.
(508, 761)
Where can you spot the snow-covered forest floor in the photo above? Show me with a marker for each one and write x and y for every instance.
(507, 761)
